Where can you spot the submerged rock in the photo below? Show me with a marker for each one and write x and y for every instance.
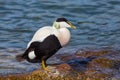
(86, 64)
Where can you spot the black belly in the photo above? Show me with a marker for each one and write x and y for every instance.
(44, 49)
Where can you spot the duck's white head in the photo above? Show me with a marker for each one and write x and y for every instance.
(63, 23)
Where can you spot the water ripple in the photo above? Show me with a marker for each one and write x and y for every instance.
(97, 21)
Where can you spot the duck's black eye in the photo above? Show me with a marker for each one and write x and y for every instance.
(61, 20)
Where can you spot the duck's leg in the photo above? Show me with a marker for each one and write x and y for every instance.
(44, 66)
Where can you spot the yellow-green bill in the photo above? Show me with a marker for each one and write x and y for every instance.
(72, 26)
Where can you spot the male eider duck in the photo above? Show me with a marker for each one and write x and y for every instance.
(47, 41)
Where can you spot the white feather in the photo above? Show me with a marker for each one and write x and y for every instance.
(64, 24)
(31, 55)
(63, 34)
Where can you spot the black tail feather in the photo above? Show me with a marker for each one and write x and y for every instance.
(20, 57)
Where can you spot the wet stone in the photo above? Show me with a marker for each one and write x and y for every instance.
(85, 64)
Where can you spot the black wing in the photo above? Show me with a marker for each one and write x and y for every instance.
(48, 47)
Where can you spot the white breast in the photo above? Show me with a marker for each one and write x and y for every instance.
(64, 36)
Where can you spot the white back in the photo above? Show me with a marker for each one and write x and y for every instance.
(41, 34)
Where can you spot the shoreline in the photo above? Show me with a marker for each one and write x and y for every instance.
(85, 64)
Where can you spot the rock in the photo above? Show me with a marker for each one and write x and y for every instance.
(94, 64)
(63, 69)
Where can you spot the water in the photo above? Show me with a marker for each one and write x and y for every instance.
(97, 21)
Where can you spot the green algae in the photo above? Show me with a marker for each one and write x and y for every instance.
(104, 62)
(88, 53)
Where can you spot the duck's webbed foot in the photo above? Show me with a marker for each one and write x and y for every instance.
(44, 66)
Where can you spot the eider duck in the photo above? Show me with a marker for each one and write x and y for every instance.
(47, 41)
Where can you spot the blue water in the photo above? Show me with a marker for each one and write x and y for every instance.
(97, 22)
